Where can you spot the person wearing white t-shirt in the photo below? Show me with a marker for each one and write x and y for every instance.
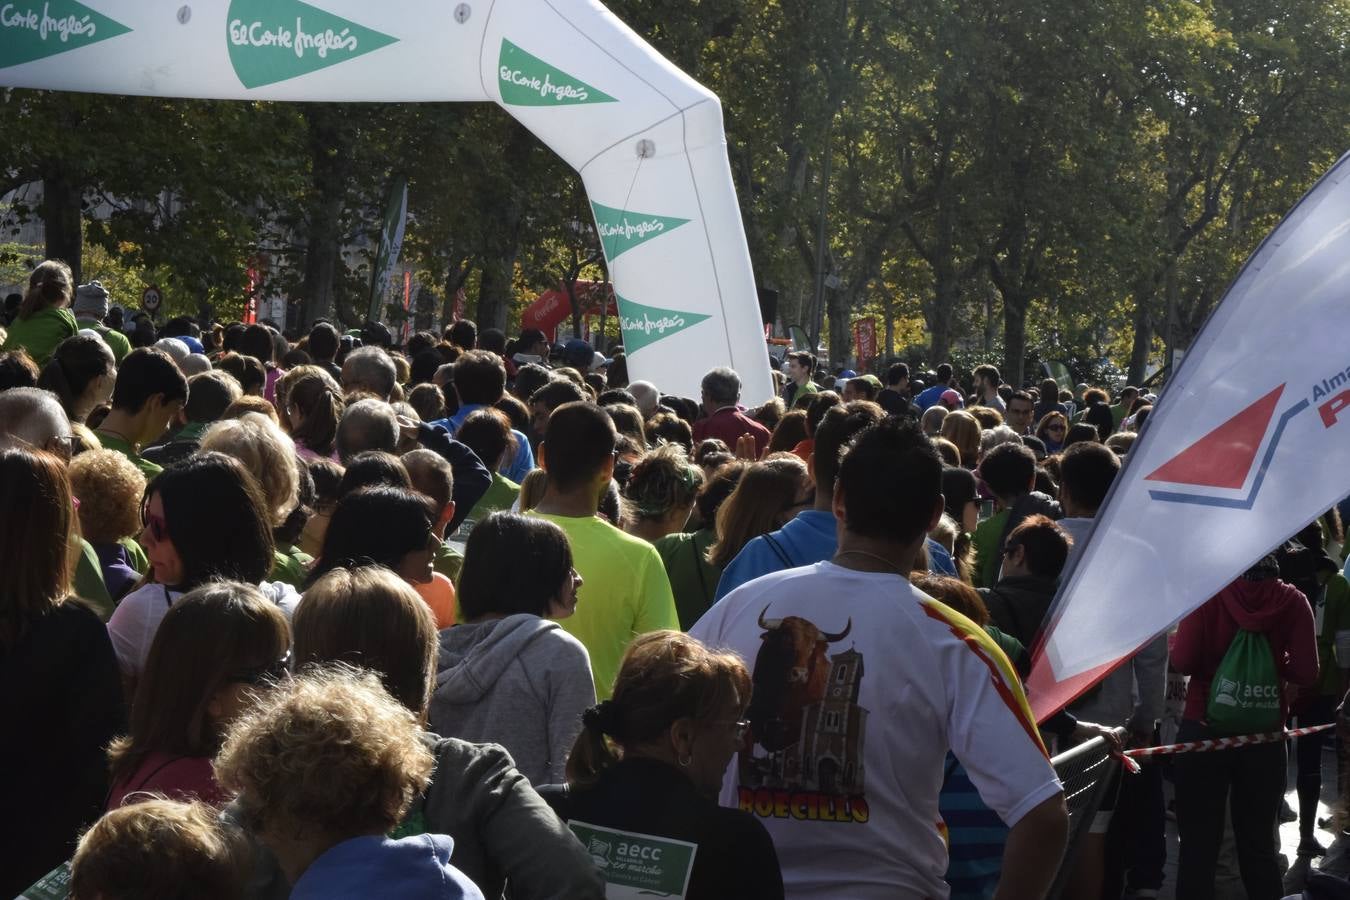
(861, 686)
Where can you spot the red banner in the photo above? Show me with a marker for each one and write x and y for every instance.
(865, 339)
(460, 305)
(553, 307)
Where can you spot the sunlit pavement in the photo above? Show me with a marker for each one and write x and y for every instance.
(1230, 885)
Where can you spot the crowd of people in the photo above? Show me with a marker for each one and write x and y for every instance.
(318, 615)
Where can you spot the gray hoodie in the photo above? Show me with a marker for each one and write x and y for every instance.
(521, 682)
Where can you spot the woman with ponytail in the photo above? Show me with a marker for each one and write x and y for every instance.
(312, 404)
(81, 374)
(45, 319)
(650, 760)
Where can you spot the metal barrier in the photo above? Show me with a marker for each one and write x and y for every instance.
(1087, 772)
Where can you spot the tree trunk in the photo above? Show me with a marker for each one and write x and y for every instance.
(837, 306)
(62, 216)
(1015, 338)
(322, 249)
(946, 289)
(329, 148)
(1143, 334)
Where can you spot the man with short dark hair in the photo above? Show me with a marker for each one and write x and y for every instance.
(722, 417)
(324, 341)
(627, 592)
(931, 394)
(848, 736)
(987, 381)
(548, 398)
(463, 334)
(1009, 471)
(149, 392)
(479, 380)
(800, 367)
(532, 347)
(209, 394)
(1019, 412)
(894, 397)
(809, 536)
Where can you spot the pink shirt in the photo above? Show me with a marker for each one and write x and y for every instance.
(177, 777)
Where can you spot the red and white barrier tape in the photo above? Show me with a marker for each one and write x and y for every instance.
(1226, 743)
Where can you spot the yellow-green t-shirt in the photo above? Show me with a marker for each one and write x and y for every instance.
(626, 593)
(113, 442)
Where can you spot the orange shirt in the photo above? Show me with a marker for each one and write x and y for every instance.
(804, 449)
(439, 594)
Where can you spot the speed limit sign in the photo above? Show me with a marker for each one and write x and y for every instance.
(150, 299)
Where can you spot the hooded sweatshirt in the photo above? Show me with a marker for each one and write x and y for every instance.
(1269, 607)
(521, 682)
(413, 868)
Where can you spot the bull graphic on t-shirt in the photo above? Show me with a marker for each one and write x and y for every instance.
(803, 754)
(790, 672)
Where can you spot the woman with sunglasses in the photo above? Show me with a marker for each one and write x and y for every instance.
(509, 675)
(205, 519)
(677, 716)
(1051, 430)
(215, 649)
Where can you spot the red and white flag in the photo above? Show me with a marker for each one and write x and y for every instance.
(1249, 443)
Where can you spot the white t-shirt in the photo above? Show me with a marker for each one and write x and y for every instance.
(136, 619)
(862, 684)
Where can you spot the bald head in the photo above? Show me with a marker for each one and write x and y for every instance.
(367, 425)
(32, 417)
(647, 397)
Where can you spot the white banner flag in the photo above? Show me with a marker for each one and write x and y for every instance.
(1249, 443)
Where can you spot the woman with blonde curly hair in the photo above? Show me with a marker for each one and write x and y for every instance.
(660, 493)
(963, 430)
(327, 766)
(770, 493)
(110, 488)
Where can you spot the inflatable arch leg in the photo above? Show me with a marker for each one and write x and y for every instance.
(646, 139)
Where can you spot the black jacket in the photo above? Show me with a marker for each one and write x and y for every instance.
(1018, 604)
(735, 856)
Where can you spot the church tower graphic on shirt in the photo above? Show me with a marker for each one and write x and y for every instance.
(803, 757)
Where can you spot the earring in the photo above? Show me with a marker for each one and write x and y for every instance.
(686, 760)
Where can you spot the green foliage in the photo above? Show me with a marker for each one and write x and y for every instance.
(1044, 180)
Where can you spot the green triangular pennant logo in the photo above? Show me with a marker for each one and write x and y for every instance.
(527, 80)
(34, 30)
(643, 325)
(623, 230)
(274, 40)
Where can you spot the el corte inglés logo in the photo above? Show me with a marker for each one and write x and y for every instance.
(275, 40)
(30, 31)
(645, 325)
(527, 80)
(622, 230)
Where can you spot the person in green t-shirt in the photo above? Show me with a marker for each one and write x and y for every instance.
(487, 432)
(626, 591)
(800, 367)
(149, 391)
(91, 308)
(1009, 471)
(44, 320)
(1123, 406)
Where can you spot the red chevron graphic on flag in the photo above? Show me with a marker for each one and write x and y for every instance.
(1223, 458)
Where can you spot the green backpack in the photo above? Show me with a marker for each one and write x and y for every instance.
(1244, 697)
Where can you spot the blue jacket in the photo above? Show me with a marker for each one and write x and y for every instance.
(412, 868)
(809, 538)
(524, 460)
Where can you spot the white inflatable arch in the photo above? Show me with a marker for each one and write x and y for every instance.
(646, 139)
